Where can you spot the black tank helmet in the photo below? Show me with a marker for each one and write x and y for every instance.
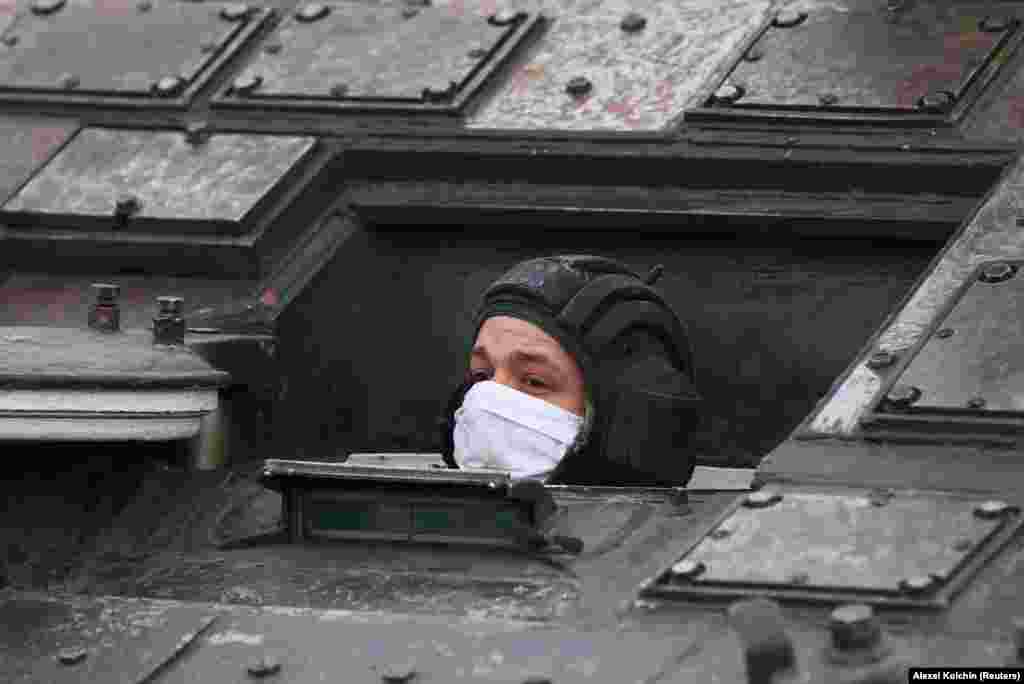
(641, 405)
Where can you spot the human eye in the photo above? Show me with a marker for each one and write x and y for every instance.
(534, 382)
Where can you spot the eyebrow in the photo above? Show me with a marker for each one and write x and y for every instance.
(522, 357)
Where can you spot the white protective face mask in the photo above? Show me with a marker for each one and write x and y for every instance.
(500, 428)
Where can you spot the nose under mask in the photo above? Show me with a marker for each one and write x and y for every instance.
(500, 428)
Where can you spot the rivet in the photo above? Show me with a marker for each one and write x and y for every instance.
(144, 6)
(962, 545)
(799, 577)
(312, 12)
(728, 93)
(168, 86)
(937, 102)
(339, 90)
(439, 92)
(720, 533)
(11, 39)
(944, 333)
(69, 81)
(902, 396)
(126, 205)
(246, 83)
(789, 19)
(854, 626)
(992, 509)
(505, 17)
(633, 22)
(917, 584)
(880, 497)
(263, 667)
(272, 48)
(71, 656)
(762, 499)
(235, 11)
(828, 99)
(197, 132)
(45, 7)
(976, 403)
(995, 24)
(881, 359)
(478, 53)
(753, 55)
(578, 86)
(398, 673)
(409, 12)
(688, 569)
(996, 273)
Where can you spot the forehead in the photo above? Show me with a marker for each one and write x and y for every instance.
(502, 334)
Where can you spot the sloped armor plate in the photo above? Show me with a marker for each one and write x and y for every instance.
(158, 181)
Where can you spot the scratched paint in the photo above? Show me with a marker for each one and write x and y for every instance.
(992, 234)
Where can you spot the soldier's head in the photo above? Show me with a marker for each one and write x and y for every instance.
(579, 371)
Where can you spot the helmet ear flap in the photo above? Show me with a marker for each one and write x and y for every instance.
(446, 423)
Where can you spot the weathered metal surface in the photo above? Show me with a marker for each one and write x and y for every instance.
(219, 187)
(367, 54)
(990, 233)
(63, 357)
(114, 639)
(116, 49)
(640, 80)
(26, 143)
(409, 474)
(879, 546)
(859, 58)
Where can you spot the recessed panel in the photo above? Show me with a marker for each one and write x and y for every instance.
(158, 181)
(157, 50)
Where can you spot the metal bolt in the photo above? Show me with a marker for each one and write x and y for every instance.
(144, 6)
(753, 55)
(917, 584)
(106, 292)
(409, 12)
(633, 22)
(579, 86)
(881, 359)
(170, 306)
(728, 93)
(11, 39)
(854, 626)
(880, 497)
(789, 19)
(339, 90)
(169, 324)
(828, 99)
(71, 656)
(937, 102)
(246, 83)
(272, 48)
(992, 509)
(478, 53)
(263, 667)
(996, 273)
(104, 314)
(168, 86)
(197, 133)
(69, 81)
(944, 333)
(492, 485)
(398, 673)
(235, 11)
(962, 545)
(762, 499)
(720, 533)
(439, 92)
(312, 12)
(976, 403)
(505, 17)
(126, 205)
(995, 24)
(902, 396)
(767, 649)
(688, 569)
(45, 7)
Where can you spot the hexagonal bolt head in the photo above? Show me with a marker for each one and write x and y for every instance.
(339, 90)
(314, 11)
(11, 39)
(881, 359)
(505, 17)
(728, 94)
(767, 648)
(997, 272)
(106, 293)
(789, 19)
(762, 499)
(995, 24)
(169, 86)
(936, 103)
(169, 324)
(688, 569)
(633, 22)
(263, 667)
(127, 205)
(69, 81)
(170, 306)
(579, 86)
(903, 396)
(235, 11)
(246, 84)
(854, 626)
(45, 7)
(917, 584)
(439, 92)
(990, 510)
(71, 656)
